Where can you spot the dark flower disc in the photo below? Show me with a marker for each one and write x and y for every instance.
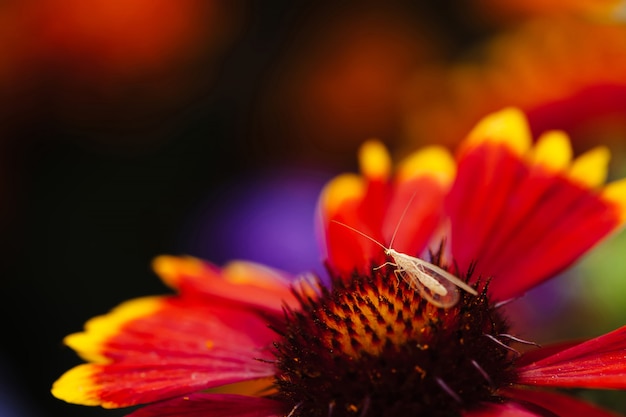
(371, 346)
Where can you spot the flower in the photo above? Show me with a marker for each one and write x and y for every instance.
(247, 340)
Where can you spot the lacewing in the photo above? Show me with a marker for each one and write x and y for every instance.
(436, 285)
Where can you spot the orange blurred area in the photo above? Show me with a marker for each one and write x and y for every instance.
(505, 12)
(410, 74)
(564, 72)
(108, 62)
(341, 77)
(115, 37)
(105, 38)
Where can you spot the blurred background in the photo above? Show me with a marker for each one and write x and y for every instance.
(132, 128)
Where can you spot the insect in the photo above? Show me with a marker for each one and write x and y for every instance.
(435, 284)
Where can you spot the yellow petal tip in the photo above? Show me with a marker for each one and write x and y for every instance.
(90, 343)
(508, 127)
(433, 161)
(345, 187)
(252, 273)
(553, 150)
(76, 386)
(615, 192)
(591, 168)
(374, 160)
(170, 268)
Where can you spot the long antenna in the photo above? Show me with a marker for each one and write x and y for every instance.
(361, 233)
(406, 209)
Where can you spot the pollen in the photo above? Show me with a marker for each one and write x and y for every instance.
(371, 346)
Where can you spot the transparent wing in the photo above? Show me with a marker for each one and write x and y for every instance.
(443, 274)
(433, 288)
(436, 285)
(416, 282)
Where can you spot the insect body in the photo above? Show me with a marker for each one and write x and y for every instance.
(435, 284)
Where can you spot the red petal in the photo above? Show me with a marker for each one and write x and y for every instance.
(375, 207)
(421, 198)
(184, 328)
(246, 283)
(596, 363)
(347, 250)
(421, 202)
(180, 328)
(534, 355)
(181, 347)
(127, 384)
(562, 405)
(213, 405)
(508, 409)
(521, 226)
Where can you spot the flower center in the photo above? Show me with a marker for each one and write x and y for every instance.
(371, 346)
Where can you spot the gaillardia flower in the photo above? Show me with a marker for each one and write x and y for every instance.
(246, 340)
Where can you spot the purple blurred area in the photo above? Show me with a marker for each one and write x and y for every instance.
(267, 218)
(13, 400)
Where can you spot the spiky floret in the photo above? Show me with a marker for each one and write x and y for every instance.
(371, 346)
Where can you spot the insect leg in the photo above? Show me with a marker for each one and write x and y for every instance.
(388, 263)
